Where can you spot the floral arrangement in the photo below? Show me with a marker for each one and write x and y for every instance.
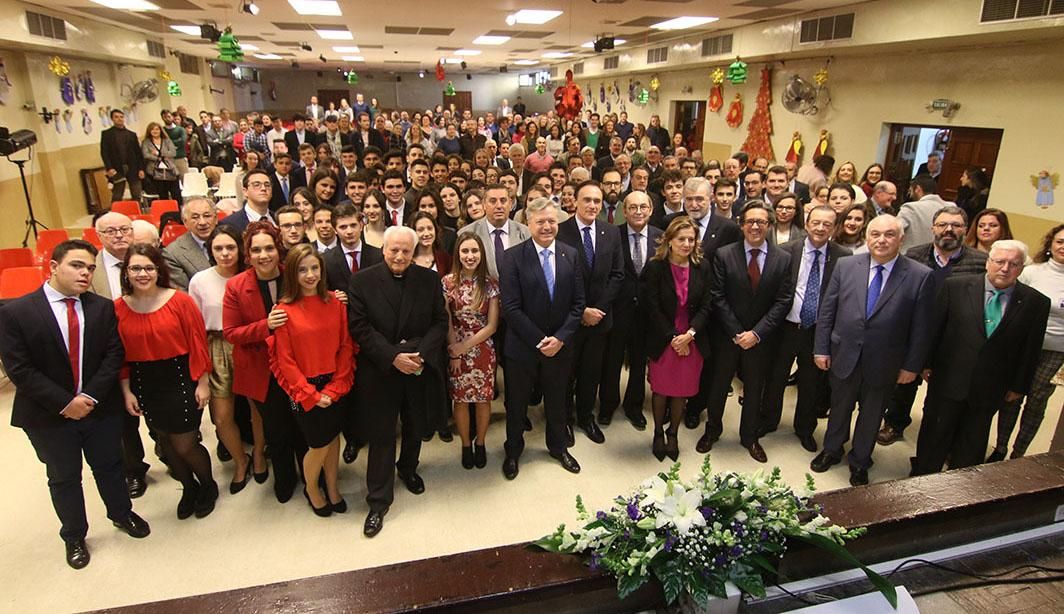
(694, 538)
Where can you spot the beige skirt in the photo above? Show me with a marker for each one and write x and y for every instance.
(221, 376)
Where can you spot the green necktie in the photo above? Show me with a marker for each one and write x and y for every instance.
(992, 312)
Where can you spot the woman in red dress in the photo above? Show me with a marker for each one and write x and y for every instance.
(312, 357)
(472, 299)
(168, 368)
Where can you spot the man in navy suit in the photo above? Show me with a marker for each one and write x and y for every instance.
(258, 189)
(881, 302)
(61, 349)
(602, 269)
(543, 303)
(283, 181)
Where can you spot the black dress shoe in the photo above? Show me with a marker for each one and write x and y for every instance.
(133, 525)
(823, 412)
(757, 452)
(77, 553)
(223, 453)
(427, 438)
(480, 456)
(823, 462)
(808, 442)
(692, 419)
(528, 424)
(705, 443)
(445, 435)
(340, 507)
(509, 468)
(567, 461)
(324, 511)
(208, 495)
(605, 418)
(570, 437)
(234, 486)
(672, 445)
(413, 482)
(374, 523)
(350, 453)
(136, 486)
(996, 456)
(858, 477)
(593, 432)
(283, 492)
(187, 505)
(467, 457)
(637, 420)
(658, 447)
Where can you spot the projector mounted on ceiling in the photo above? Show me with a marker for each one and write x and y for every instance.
(603, 43)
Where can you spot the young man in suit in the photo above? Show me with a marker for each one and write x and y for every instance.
(628, 333)
(187, 255)
(751, 291)
(602, 269)
(813, 259)
(284, 181)
(987, 342)
(879, 301)
(543, 302)
(61, 349)
(299, 135)
(122, 157)
(398, 318)
(365, 136)
(258, 189)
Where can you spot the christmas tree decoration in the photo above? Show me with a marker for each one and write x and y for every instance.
(449, 91)
(737, 71)
(173, 88)
(758, 142)
(655, 83)
(823, 144)
(59, 66)
(229, 48)
(540, 89)
(352, 78)
(794, 153)
(568, 98)
(644, 96)
(735, 112)
(440, 73)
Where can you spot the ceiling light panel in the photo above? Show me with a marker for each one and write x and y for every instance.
(467, 52)
(526, 62)
(266, 56)
(347, 49)
(683, 23)
(190, 30)
(128, 5)
(336, 35)
(534, 16)
(353, 58)
(316, 7)
(557, 55)
(490, 40)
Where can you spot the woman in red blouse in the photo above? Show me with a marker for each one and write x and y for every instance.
(312, 357)
(168, 368)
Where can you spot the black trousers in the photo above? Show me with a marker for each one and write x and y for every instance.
(287, 446)
(795, 344)
(845, 395)
(548, 374)
(60, 448)
(589, 351)
(132, 447)
(754, 365)
(954, 430)
(900, 408)
(627, 338)
(407, 404)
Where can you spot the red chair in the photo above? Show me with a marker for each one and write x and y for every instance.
(16, 256)
(90, 235)
(46, 242)
(222, 215)
(172, 232)
(147, 217)
(20, 281)
(126, 207)
(159, 207)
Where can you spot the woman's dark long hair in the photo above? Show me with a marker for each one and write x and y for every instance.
(232, 233)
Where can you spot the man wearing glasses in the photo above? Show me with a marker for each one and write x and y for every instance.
(257, 193)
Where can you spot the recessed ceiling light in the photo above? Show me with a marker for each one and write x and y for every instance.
(315, 7)
(490, 40)
(336, 35)
(190, 30)
(452, 60)
(128, 5)
(591, 44)
(532, 16)
(347, 49)
(526, 62)
(248, 47)
(557, 54)
(353, 58)
(682, 23)
(266, 56)
(467, 52)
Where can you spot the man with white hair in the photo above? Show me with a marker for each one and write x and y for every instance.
(187, 255)
(988, 332)
(145, 233)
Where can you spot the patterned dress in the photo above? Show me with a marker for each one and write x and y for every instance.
(475, 382)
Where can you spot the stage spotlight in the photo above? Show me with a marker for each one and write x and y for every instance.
(249, 7)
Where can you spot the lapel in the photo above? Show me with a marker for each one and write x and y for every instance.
(44, 311)
(1015, 301)
(100, 285)
(387, 288)
(533, 251)
(561, 265)
(406, 302)
(901, 270)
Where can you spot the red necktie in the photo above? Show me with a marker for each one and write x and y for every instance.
(395, 217)
(752, 269)
(74, 339)
(609, 214)
(354, 262)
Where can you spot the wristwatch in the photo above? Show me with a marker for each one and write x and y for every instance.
(691, 331)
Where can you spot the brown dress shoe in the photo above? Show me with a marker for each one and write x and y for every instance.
(887, 435)
(757, 452)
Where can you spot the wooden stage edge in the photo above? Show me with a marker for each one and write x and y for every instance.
(903, 517)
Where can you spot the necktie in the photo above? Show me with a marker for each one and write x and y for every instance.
(499, 249)
(992, 312)
(807, 316)
(609, 213)
(589, 249)
(548, 272)
(637, 253)
(753, 270)
(74, 340)
(873, 291)
(284, 187)
(395, 217)
(354, 262)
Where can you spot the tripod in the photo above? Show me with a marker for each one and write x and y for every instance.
(31, 222)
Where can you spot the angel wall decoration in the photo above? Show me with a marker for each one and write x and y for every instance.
(1044, 184)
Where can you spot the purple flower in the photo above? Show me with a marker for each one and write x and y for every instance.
(764, 535)
(736, 551)
(600, 515)
(595, 560)
(719, 560)
(707, 512)
(670, 541)
(633, 511)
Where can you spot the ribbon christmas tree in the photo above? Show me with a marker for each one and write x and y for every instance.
(758, 141)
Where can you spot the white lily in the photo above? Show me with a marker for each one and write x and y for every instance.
(680, 508)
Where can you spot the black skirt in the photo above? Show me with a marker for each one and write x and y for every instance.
(167, 394)
(320, 425)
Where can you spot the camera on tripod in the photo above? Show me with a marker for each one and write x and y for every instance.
(10, 142)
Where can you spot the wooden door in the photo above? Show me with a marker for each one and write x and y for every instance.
(462, 101)
(901, 155)
(968, 147)
(694, 139)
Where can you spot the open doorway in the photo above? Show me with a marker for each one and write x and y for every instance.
(909, 145)
(689, 119)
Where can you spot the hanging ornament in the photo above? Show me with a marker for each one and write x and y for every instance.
(632, 91)
(737, 71)
(794, 154)
(90, 89)
(173, 88)
(229, 48)
(352, 78)
(449, 91)
(735, 112)
(164, 75)
(59, 66)
(86, 121)
(66, 89)
(759, 131)
(5, 83)
(540, 89)
(716, 97)
(644, 96)
(821, 76)
(655, 83)
(717, 76)
(68, 117)
(569, 98)
(440, 73)
(822, 144)
(78, 83)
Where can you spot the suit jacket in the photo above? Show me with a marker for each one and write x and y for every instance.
(657, 291)
(185, 258)
(965, 364)
(618, 212)
(120, 150)
(800, 190)
(244, 325)
(240, 221)
(629, 291)
(916, 217)
(37, 362)
(737, 306)
(100, 285)
(797, 234)
(603, 278)
(530, 312)
(375, 139)
(338, 268)
(720, 232)
(515, 231)
(898, 333)
(796, 249)
(315, 111)
(296, 179)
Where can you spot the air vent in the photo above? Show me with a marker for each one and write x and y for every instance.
(831, 28)
(1007, 10)
(611, 62)
(657, 55)
(189, 64)
(156, 49)
(48, 27)
(578, 68)
(717, 45)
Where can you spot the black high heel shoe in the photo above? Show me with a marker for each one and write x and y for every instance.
(261, 478)
(324, 511)
(339, 508)
(467, 457)
(672, 446)
(480, 456)
(659, 445)
(234, 486)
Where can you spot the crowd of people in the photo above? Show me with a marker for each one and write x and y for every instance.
(385, 270)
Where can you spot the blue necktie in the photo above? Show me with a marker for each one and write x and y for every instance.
(873, 291)
(807, 315)
(548, 272)
(499, 249)
(589, 249)
(284, 188)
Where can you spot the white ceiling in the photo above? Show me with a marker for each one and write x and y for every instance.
(279, 29)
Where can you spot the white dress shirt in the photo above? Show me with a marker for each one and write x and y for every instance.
(794, 315)
(553, 258)
(113, 267)
(580, 226)
(255, 216)
(887, 268)
(59, 310)
(353, 253)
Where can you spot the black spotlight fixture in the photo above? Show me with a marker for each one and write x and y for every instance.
(468, 77)
(603, 43)
(322, 58)
(398, 78)
(305, 46)
(463, 65)
(209, 32)
(503, 68)
(249, 7)
(295, 64)
(321, 74)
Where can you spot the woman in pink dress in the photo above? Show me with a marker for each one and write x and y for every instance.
(675, 290)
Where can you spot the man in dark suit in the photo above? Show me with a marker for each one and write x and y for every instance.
(283, 181)
(397, 211)
(122, 157)
(602, 270)
(398, 318)
(628, 334)
(60, 346)
(364, 136)
(752, 291)
(543, 303)
(188, 254)
(813, 259)
(987, 341)
(605, 162)
(670, 202)
(882, 302)
(257, 192)
(299, 135)
(795, 186)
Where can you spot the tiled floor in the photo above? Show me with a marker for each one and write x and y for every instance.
(251, 539)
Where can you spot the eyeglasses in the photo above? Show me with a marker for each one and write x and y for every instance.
(755, 222)
(944, 225)
(120, 230)
(292, 226)
(639, 207)
(1002, 263)
(258, 185)
(137, 269)
(614, 184)
(785, 208)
